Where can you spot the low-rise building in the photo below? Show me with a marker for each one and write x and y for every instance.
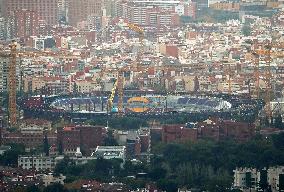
(275, 178)
(251, 179)
(34, 126)
(49, 179)
(84, 136)
(36, 162)
(245, 178)
(29, 141)
(111, 152)
(172, 133)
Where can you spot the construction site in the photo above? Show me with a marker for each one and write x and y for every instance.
(108, 72)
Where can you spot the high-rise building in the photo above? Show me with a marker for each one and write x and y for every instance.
(2, 28)
(79, 11)
(109, 6)
(23, 23)
(153, 13)
(47, 9)
(1, 7)
(62, 10)
(201, 4)
(4, 73)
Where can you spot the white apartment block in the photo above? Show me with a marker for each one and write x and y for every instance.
(37, 162)
(249, 179)
(245, 177)
(110, 152)
(273, 177)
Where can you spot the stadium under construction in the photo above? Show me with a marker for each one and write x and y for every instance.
(90, 106)
(144, 104)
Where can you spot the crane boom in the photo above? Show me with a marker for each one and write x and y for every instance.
(119, 84)
(12, 80)
(140, 31)
(12, 85)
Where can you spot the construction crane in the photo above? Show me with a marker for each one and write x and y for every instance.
(256, 73)
(140, 31)
(12, 81)
(267, 53)
(111, 97)
(119, 84)
(12, 85)
(268, 87)
(229, 73)
(119, 88)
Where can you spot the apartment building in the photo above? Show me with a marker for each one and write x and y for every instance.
(50, 85)
(3, 33)
(4, 67)
(36, 162)
(23, 23)
(246, 178)
(251, 179)
(111, 152)
(153, 13)
(86, 137)
(275, 178)
(79, 11)
(47, 9)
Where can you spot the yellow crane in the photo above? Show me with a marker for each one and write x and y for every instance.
(12, 81)
(140, 32)
(119, 84)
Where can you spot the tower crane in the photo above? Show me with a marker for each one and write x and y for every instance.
(140, 31)
(12, 82)
(119, 84)
(268, 54)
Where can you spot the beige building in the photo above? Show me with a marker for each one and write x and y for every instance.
(244, 177)
(49, 179)
(84, 86)
(46, 85)
(189, 83)
(224, 87)
(34, 126)
(273, 177)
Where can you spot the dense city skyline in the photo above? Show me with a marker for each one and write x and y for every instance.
(141, 95)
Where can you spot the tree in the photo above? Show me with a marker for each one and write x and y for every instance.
(33, 188)
(49, 43)
(157, 173)
(46, 145)
(10, 157)
(167, 185)
(55, 188)
(60, 147)
(278, 122)
(62, 166)
(278, 141)
(75, 88)
(109, 139)
(246, 30)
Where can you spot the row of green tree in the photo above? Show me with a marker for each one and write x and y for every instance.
(35, 188)
(206, 165)
(128, 123)
(209, 165)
